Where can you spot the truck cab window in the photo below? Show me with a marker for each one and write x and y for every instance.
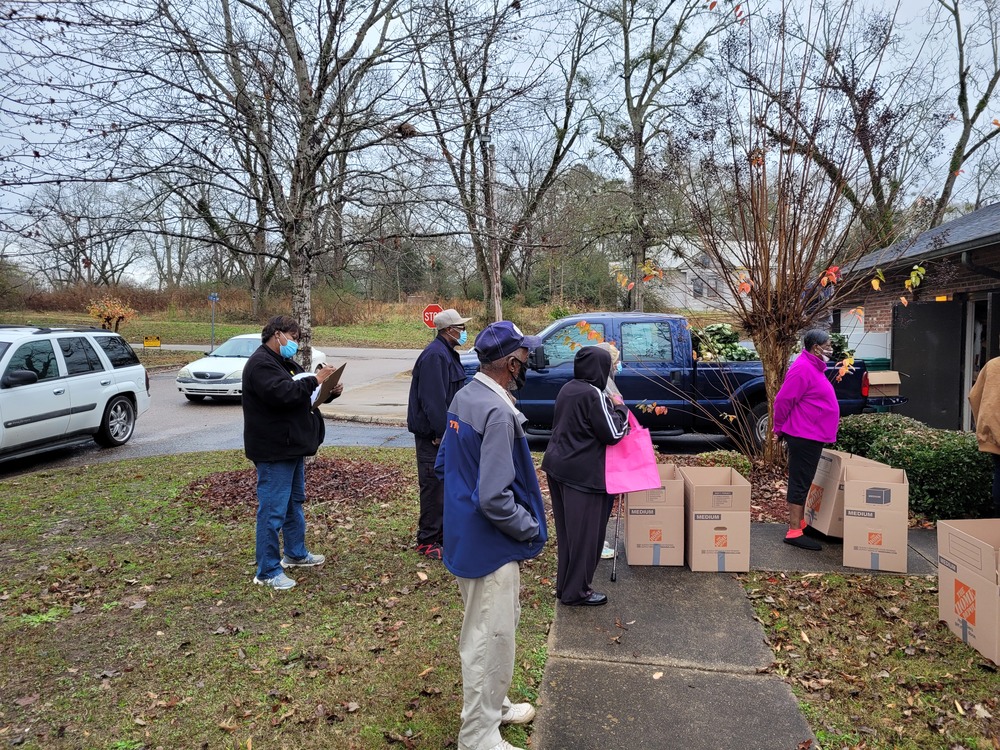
(646, 342)
(563, 343)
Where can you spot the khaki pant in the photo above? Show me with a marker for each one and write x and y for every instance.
(486, 646)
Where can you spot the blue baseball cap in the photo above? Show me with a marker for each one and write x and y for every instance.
(498, 340)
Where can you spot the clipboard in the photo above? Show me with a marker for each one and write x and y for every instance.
(327, 386)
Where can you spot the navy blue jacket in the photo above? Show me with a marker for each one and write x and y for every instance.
(493, 509)
(437, 376)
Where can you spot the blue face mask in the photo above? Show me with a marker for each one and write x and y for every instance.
(618, 368)
(462, 338)
(289, 348)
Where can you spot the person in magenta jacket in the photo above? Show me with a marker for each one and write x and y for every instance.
(806, 415)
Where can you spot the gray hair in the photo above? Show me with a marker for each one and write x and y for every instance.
(813, 337)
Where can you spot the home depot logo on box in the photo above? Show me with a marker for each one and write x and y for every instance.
(965, 602)
(656, 535)
(721, 541)
(875, 538)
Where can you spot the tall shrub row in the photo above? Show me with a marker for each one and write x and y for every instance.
(949, 477)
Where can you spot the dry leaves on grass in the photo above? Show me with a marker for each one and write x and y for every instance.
(231, 495)
(768, 485)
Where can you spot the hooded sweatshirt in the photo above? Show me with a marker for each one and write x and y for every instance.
(586, 421)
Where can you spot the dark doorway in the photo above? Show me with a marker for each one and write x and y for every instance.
(927, 353)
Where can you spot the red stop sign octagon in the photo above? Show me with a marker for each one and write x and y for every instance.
(429, 312)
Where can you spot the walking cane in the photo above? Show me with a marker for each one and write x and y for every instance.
(618, 520)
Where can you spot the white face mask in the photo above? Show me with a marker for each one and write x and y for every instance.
(825, 354)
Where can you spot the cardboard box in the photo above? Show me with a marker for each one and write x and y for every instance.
(715, 488)
(718, 541)
(824, 509)
(883, 383)
(876, 516)
(654, 522)
(717, 519)
(968, 578)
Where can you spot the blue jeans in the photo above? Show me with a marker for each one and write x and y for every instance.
(281, 490)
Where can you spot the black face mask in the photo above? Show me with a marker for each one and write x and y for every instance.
(522, 374)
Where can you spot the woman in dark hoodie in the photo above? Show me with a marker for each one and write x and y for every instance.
(586, 421)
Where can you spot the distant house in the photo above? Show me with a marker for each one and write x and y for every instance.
(943, 336)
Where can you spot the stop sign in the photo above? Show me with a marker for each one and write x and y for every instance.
(429, 312)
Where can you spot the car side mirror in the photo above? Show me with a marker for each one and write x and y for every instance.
(15, 378)
(537, 359)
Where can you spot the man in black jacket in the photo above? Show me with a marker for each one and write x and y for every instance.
(437, 376)
(280, 428)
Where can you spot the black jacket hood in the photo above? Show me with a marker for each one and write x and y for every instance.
(592, 365)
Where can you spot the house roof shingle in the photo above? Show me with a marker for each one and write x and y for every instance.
(969, 232)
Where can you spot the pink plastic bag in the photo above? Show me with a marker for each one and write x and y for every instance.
(630, 465)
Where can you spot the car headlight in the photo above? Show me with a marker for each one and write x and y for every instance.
(235, 375)
(184, 373)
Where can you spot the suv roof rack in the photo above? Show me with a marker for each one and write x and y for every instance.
(52, 329)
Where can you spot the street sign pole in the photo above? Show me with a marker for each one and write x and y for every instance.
(213, 298)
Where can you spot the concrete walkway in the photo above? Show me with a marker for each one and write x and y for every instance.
(675, 659)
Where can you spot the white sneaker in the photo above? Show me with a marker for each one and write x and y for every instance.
(504, 745)
(280, 582)
(608, 552)
(518, 713)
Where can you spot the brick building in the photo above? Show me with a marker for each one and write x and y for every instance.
(951, 325)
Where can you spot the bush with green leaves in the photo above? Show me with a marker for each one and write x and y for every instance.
(949, 477)
(857, 432)
(732, 459)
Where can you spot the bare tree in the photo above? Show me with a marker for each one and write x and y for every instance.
(770, 222)
(652, 44)
(501, 87)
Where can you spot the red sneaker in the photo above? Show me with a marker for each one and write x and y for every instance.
(432, 551)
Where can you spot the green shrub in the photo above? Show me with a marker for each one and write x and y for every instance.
(732, 459)
(857, 432)
(949, 477)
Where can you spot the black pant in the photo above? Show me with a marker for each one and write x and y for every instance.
(996, 485)
(430, 526)
(803, 458)
(580, 526)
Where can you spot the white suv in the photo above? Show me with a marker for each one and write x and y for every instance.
(61, 385)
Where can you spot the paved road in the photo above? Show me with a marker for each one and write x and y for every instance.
(175, 425)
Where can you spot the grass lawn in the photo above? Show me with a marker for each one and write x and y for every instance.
(128, 622)
(128, 619)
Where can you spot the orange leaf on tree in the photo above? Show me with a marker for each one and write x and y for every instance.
(903, 300)
(660, 410)
(711, 5)
(630, 285)
(876, 284)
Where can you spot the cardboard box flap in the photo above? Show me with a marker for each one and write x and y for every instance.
(883, 377)
(973, 544)
(875, 488)
(715, 488)
(669, 493)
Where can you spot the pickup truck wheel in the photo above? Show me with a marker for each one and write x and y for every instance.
(758, 424)
(118, 423)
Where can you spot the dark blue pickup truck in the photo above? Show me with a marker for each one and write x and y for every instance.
(659, 370)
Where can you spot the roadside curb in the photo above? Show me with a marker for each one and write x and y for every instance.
(365, 419)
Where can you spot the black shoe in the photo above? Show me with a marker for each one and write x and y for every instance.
(811, 532)
(804, 542)
(594, 600)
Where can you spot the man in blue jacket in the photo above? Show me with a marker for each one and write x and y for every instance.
(493, 519)
(437, 376)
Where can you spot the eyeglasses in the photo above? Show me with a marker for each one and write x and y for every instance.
(459, 328)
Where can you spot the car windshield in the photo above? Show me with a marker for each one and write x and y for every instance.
(236, 348)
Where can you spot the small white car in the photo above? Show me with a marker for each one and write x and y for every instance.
(59, 386)
(220, 374)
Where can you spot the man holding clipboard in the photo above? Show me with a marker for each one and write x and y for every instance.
(281, 426)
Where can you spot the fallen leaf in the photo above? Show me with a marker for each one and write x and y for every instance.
(27, 700)
(421, 575)
(426, 672)
(657, 675)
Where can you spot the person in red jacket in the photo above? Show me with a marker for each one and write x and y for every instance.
(806, 416)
